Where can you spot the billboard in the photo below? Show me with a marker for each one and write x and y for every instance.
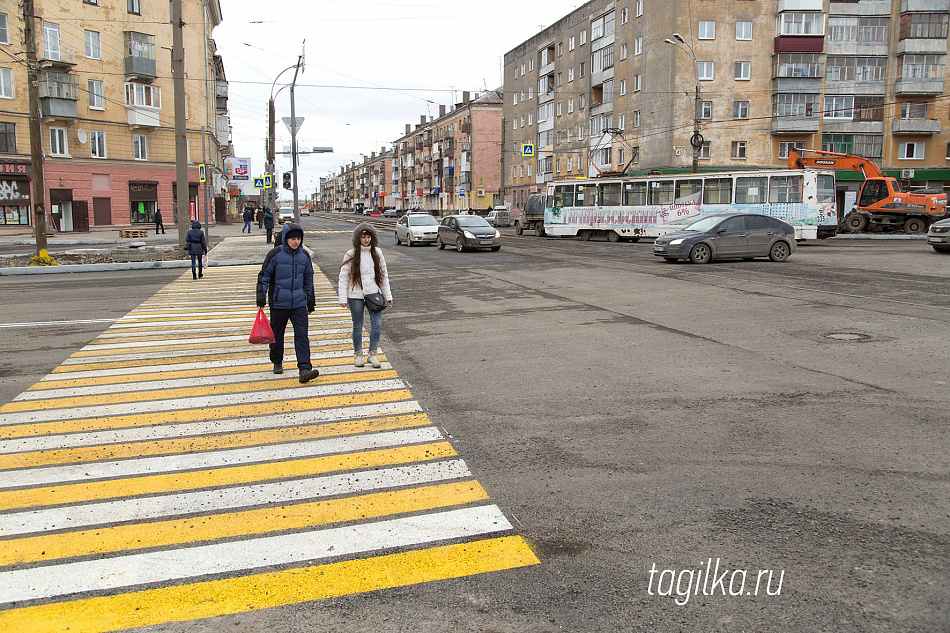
(238, 170)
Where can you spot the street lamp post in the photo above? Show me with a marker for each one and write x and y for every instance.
(696, 140)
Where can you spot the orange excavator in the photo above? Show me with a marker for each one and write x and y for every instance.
(883, 202)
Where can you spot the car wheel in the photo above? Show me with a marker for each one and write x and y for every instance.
(438, 242)
(459, 245)
(496, 248)
(584, 235)
(700, 254)
(519, 229)
(398, 241)
(915, 226)
(613, 236)
(941, 249)
(779, 252)
(539, 229)
(856, 222)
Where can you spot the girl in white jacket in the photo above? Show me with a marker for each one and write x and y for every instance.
(364, 272)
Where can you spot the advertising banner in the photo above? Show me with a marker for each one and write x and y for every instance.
(238, 170)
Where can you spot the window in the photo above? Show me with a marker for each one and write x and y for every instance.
(530, 65)
(602, 59)
(140, 147)
(638, 46)
(717, 191)
(743, 71)
(842, 143)
(910, 110)
(51, 47)
(705, 110)
(739, 149)
(784, 146)
(705, 151)
(6, 83)
(583, 37)
(143, 95)
(623, 51)
(7, 137)
(531, 92)
(635, 155)
(522, 70)
(96, 99)
(740, 109)
(639, 8)
(948, 151)
(4, 29)
(840, 68)
(620, 156)
(93, 45)
(924, 26)
(602, 26)
(636, 83)
(801, 24)
(622, 121)
(751, 189)
(623, 15)
(581, 70)
(793, 104)
(530, 119)
(867, 145)
(514, 123)
(636, 118)
(839, 107)
(910, 151)
(570, 75)
(743, 30)
(97, 143)
(623, 87)
(57, 142)
(707, 30)
(560, 48)
(514, 98)
(705, 70)
(558, 82)
(868, 108)
(135, 6)
(922, 66)
(570, 43)
(570, 105)
(558, 108)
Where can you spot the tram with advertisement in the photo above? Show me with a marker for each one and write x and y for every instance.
(631, 207)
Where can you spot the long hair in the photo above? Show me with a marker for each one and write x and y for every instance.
(356, 279)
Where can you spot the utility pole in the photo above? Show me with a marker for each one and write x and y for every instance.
(293, 131)
(270, 153)
(183, 208)
(36, 130)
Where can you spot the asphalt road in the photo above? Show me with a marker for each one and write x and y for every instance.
(632, 415)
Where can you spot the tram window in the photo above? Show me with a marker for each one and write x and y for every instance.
(826, 188)
(786, 189)
(609, 194)
(718, 191)
(661, 192)
(634, 193)
(686, 188)
(751, 189)
(580, 198)
(564, 196)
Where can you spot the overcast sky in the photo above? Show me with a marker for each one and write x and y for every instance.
(371, 68)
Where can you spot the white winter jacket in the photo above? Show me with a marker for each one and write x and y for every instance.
(367, 276)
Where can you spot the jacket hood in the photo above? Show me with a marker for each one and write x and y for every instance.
(292, 229)
(365, 227)
(196, 224)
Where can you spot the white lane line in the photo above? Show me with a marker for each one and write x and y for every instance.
(56, 323)
(220, 558)
(45, 476)
(288, 351)
(182, 383)
(291, 392)
(79, 516)
(234, 425)
(193, 341)
(235, 328)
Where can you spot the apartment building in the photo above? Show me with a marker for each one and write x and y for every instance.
(624, 85)
(107, 101)
(374, 181)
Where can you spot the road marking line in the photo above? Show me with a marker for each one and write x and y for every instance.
(98, 513)
(219, 558)
(102, 540)
(56, 323)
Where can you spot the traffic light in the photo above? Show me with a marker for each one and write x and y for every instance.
(288, 177)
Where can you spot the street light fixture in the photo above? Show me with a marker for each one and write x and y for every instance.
(696, 140)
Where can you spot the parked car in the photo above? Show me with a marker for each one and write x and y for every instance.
(467, 231)
(728, 236)
(417, 228)
(498, 217)
(939, 236)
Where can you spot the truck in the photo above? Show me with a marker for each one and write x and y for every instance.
(533, 217)
(883, 201)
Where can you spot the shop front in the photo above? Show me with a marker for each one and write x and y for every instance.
(15, 193)
(143, 200)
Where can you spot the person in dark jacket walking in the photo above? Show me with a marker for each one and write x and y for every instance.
(248, 218)
(197, 247)
(259, 214)
(287, 279)
(158, 222)
(269, 224)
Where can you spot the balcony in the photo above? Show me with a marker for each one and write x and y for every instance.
(64, 57)
(449, 171)
(145, 117)
(221, 95)
(918, 86)
(794, 125)
(799, 44)
(927, 6)
(59, 96)
(916, 126)
(922, 46)
(140, 56)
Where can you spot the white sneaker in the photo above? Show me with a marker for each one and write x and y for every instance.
(358, 359)
(373, 361)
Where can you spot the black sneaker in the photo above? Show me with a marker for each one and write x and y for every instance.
(278, 368)
(306, 375)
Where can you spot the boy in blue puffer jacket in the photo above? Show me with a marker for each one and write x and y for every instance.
(287, 280)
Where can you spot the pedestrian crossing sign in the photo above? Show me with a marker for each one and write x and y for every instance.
(202, 177)
(258, 183)
(527, 149)
(268, 181)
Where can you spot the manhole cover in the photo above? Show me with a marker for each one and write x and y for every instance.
(846, 336)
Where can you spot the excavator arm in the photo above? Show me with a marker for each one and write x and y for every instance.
(833, 160)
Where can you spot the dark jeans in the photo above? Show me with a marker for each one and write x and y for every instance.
(300, 320)
(247, 226)
(270, 235)
(159, 225)
(195, 258)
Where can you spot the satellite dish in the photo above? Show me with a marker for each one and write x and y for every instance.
(81, 134)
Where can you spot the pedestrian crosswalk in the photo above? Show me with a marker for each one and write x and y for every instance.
(162, 473)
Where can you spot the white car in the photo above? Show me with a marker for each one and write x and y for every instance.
(416, 228)
(285, 215)
(939, 236)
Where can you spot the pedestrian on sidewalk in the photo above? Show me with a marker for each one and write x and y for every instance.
(197, 248)
(158, 222)
(248, 218)
(260, 218)
(364, 272)
(287, 281)
(269, 224)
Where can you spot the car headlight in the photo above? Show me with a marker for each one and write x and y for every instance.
(678, 240)
(468, 234)
(497, 233)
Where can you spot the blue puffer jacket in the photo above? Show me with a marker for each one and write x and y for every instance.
(196, 240)
(291, 273)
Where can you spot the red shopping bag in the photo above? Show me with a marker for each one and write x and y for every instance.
(261, 334)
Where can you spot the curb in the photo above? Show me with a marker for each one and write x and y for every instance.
(90, 268)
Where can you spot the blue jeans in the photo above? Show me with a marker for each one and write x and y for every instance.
(247, 226)
(195, 260)
(357, 308)
(300, 320)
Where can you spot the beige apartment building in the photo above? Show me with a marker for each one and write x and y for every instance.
(624, 85)
(107, 101)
